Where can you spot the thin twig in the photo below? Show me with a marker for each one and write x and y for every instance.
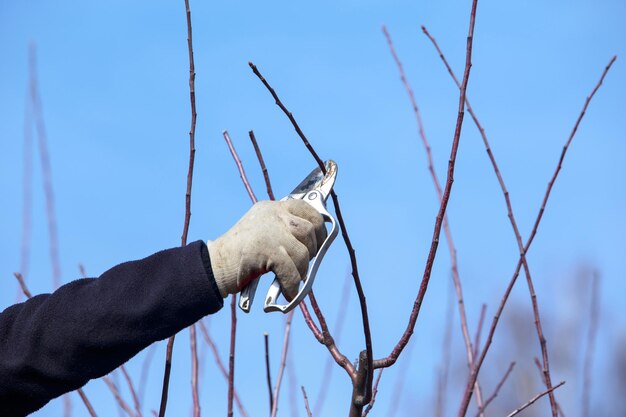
(442, 386)
(87, 403)
(328, 367)
(192, 153)
(535, 398)
(193, 345)
(292, 384)
(218, 360)
(393, 356)
(496, 318)
(268, 372)
(45, 168)
(259, 155)
(366, 395)
(145, 369)
(242, 171)
(591, 339)
(20, 280)
(118, 397)
(283, 362)
(27, 188)
(479, 328)
(446, 226)
(231, 354)
(133, 392)
(306, 402)
(498, 387)
(374, 392)
(518, 236)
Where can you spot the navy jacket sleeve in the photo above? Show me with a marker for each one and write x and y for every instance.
(55, 343)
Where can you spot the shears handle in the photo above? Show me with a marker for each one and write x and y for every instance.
(315, 199)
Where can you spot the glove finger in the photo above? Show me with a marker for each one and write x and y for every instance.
(303, 231)
(305, 211)
(290, 265)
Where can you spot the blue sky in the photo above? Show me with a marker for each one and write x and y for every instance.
(113, 79)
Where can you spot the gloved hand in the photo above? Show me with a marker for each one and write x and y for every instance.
(277, 236)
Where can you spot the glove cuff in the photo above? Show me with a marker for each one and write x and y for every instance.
(224, 270)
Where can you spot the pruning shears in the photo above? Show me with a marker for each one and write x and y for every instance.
(314, 189)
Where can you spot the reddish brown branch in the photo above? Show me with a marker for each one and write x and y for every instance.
(289, 115)
(374, 392)
(518, 236)
(306, 402)
(27, 188)
(268, 372)
(87, 403)
(145, 368)
(393, 356)
(535, 398)
(192, 153)
(446, 226)
(218, 360)
(494, 324)
(327, 374)
(194, 370)
(591, 338)
(118, 397)
(442, 383)
(20, 280)
(259, 155)
(133, 392)
(231, 355)
(242, 171)
(45, 168)
(355, 272)
(283, 362)
(479, 328)
(498, 387)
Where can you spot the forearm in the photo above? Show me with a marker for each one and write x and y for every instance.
(55, 343)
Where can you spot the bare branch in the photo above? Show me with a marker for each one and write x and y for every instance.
(393, 356)
(283, 362)
(498, 387)
(355, 272)
(231, 355)
(192, 153)
(535, 398)
(327, 374)
(218, 360)
(23, 286)
(494, 324)
(131, 388)
(442, 385)
(268, 373)
(479, 328)
(259, 155)
(306, 402)
(374, 392)
(118, 397)
(518, 236)
(446, 226)
(242, 171)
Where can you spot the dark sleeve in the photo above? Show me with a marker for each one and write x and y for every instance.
(55, 343)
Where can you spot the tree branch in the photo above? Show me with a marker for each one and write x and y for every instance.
(393, 356)
(494, 324)
(192, 153)
(535, 398)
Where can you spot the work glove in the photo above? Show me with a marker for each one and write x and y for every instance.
(277, 236)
